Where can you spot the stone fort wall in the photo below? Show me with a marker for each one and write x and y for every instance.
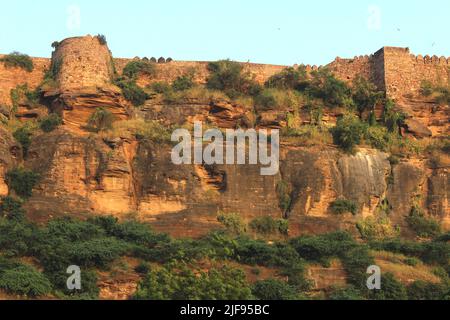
(87, 63)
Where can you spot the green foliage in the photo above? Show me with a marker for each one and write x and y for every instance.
(349, 293)
(184, 82)
(18, 60)
(11, 209)
(342, 206)
(365, 95)
(139, 67)
(182, 283)
(269, 226)
(356, 260)
(102, 39)
(22, 181)
(228, 76)
(434, 252)
(23, 136)
(289, 79)
(16, 237)
(24, 280)
(50, 123)
(274, 290)
(391, 289)
(132, 92)
(232, 222)
(377, 228)
(284, 196)
(101, 120)
(22, 95)
(421, 290)
(421, 225)
(392, 118)
(89, 288)
(142, 268)
(334, 92)
(348, 132)
(160, 87)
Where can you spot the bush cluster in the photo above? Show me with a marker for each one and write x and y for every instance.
(18, 60)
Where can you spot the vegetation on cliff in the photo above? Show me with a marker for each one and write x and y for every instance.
(18, 60)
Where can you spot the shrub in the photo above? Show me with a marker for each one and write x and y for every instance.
(365, 95)
(102, 39)
(391, 289)
(342, 206)
(422, 226)
(232, 223)
(289, 78)
(22, 181)
(284, 196)
(376, 228)
(11, 209)
(23, 136)
(183, 83)
(102, 119)
(25, 281)
(142, 268)
(334, 92)
(132, 92)
(50, 123)
(274, 290)
(89, 289)
(348, 133)
(356, 260)
(22, 95)
(269, 226)
(228, 76)
(16, 237)
(142, 130)
(160, 87)
(276, 99)
(343, 294)
(183, 284)
(421, 290)
(139, 67)
(18, 60)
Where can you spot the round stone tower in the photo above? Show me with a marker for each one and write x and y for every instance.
(82, 62)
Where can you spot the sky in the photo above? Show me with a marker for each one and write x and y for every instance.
(284, 32)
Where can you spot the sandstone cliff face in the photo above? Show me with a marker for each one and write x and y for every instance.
(10, 156)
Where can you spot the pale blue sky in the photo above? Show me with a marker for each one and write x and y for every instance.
(278, 32)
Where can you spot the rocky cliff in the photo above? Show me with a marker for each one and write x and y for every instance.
(84, 173)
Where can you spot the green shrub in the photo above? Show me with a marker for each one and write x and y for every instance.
(183, 284)
(18, 60)
(50, 123)
(22, 95)
(142, 268)
(421, 290)
(284, 196)
(342, 206)
(421, 225)
(139, 67)
(101, 120)
(289, 78)
(232, 222)
(268, 226)
(426, 88)
(348, 133)
(411, 261)
(89, 288)
(22, 181)
(160, 87)
(11, 209)
(102, 39)
(334, 92)
(182, 83)
(274, 290)
(16, 237)
(377, 228)
(391, 289)
(365, 95)
(132, 92)
(23, 136)
(228, 76)
(24, 280)
(356, 260)
(349, 293)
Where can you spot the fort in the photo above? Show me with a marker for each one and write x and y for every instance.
(86, 63)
